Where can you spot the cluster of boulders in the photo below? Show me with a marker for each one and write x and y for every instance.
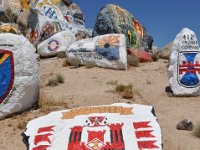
(49, 27)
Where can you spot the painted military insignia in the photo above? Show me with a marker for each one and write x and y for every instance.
(6, 73)
(189, 69)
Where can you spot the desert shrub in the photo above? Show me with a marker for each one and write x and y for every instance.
(128, 93)
(112, 82)
(74, 62)
(196, 131)
(65, 63)
(52, 82)
(125, 90)
(133, 60)
(60, 78)
(155, 57)
(47, 102)
(61, 55)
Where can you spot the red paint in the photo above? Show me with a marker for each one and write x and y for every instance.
(116, 142)
(98, 135)
(42, 138)
(96, 120)
(46, 129)
(146, 144)
(138, 125)
(189, 67)
(41, 147)
(144, 134)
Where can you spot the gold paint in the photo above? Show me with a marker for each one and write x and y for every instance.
(3, 58)
(89, 110)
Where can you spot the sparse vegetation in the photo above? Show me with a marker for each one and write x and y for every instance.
(196, 131)
(155, 57)
(125, 90)
(21, 125)
(74, 62)
(47, 103)
(112, 82)
(61, 55)
(52, 82)
(60, 78)
(133, 60)
(65, 63)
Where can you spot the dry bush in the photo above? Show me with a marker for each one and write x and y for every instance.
(196, 131)
(60, 78)
(61, 55)
(126, 91)
(155, 57)
(47, 103)
(112, 82)
(133, 60)
(65, 63)
(21, 125)
(52, 82)
(74, 62)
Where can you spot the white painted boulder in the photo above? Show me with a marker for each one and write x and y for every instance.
(19, 79)
(118, 126)
(59, 42)
(184, 69)
(107, 51)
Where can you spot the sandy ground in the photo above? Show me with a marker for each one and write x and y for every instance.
(85, 87)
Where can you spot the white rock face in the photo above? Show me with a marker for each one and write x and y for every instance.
(57, 43)
(107, 51)
(19, 78)
(134, 127)
(184, 69)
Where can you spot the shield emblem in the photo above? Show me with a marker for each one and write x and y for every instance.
(6, 73)
(189, 69)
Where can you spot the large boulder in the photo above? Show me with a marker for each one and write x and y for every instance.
(59, 42)
(49, 17)
(19, 79)
(165, 51)
(107, 51)
(114, 19)
(107, 127)
(184, 69)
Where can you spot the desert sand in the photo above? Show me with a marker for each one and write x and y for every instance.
(86, 87)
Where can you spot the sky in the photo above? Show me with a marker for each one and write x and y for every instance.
(164, 19)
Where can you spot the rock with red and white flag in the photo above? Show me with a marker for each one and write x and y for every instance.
(184, 69)
(118, 126)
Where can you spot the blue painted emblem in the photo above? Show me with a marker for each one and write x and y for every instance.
(50, 12)
(6, 73)
(189, 69)
(109, 53)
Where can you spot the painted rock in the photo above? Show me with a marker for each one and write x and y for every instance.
(52, 16)
(16, 10)
(118, 126)
(184, 69)
(114, 19)
(9, 28)
(59, 42)
(107, 51)
(19, 79)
